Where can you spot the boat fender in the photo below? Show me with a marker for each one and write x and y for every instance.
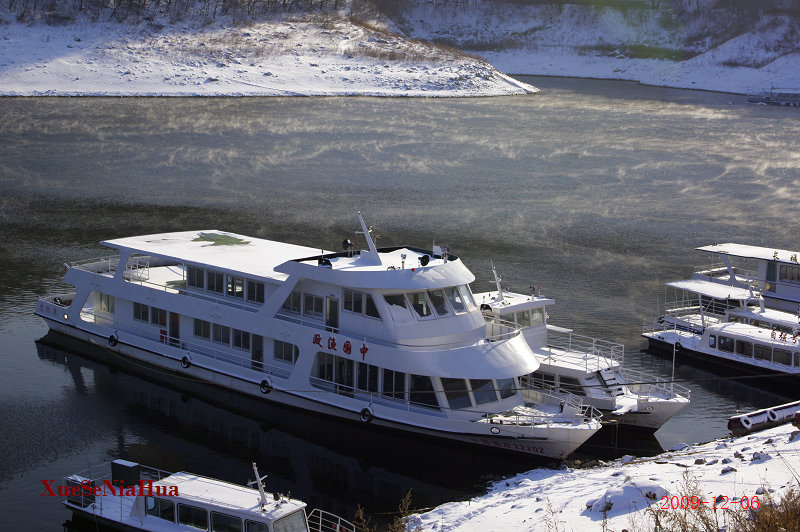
(366, 415)
(746, 423)
(772, 416)
(112, 340)
(265, 386)
(185, 362)
(678, 346)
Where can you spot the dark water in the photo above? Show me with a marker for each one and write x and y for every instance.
(596, 191)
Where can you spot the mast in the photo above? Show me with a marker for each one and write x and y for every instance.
(497, 280)
(372, 256)
(258, 482)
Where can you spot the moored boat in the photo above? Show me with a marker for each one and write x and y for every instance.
(388, 337)
(128, 496)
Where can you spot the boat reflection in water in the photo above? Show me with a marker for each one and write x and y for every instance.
(330, 465)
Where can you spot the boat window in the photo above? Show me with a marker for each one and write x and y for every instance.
(158, 316)
(420, 304)
(225, 523)
(353, 301)
(797, 359)
(285, 351)
(324, 366)
(790, 274)
(313, 306)
(781, 356)
(395, 299)
(524, 319)
(141, 312)
(295, 522)
(371, 309)
(344, 376)
(483, 391)
(726, 344)
(195, 277)
(193, 516)
(367, 377)
(241, 339)
(506, 387)
(537, 316)
(257, 353)
(215, 282)
(438, 299)
(235, 287)
(782, 328)
(508, 319)
(457, 393)
(161, 508)
(744, 348)
(292, 303)
(221, 334)
(398, 307)
(255, 291)
(466, 294)
(420, 391)
(202, 329)
(737, 319)
(544, 380)
(571, 385)
(712, 341)
(252, 526)
(762, 352)
(455, 300)
(105, 303)
(394, 384)
(762, 324)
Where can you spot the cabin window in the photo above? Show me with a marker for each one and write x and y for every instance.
(420, 391)
(141, 312)
(215, 282)
(781, 356)
(202, 329)
(324, 366)
(744, 348)
(396, 299)
(763, 352)
(161, 508)
(225, 523)
(523, 319)
(221, 334)
(193, 516)
(353, 301)
(506, 388)
(797, 359)
(544, 380)
(439, 301)
(712, 341)
(782, 328)
(285, 351)
(466, 294)
(394, 384)
(790, 274)
(537, 316)
(241, 339)
(571, 385)
(456, 392)
(292, 303)
(371, 309)
(420, 305)
(344, 376)
(295, 522)
(483, 391)
(235, 287)
(255, 292)
(367, 377)
(252, 526)
(737, 319)
(195, 277)
(762, 324)
(726, 344)
(313, 306)
(508, 319)
(456, 300)
(158, 316)
(106, 303)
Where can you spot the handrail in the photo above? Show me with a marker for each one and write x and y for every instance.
(595, 348)
(643, 384)
(322, 521)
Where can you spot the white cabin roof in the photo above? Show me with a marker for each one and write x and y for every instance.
(512, 301)
(752, 252)
(209, 491)
(713, 289)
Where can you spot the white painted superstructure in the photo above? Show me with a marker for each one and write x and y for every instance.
(388, 336)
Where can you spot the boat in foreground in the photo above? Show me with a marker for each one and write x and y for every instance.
(129, 496)
(583, 369)
(388, 337)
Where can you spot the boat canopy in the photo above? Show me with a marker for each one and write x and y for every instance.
(752, 252)
(714, 289)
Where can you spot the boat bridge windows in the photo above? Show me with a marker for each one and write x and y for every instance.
(523, 319)
(755, 350)
(193, 516)
(236, 287)
(430, 304)
(468, 393)
(360, 303)
(557, 383)
(161, 508)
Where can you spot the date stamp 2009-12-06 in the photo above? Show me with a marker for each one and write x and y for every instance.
(720, 502)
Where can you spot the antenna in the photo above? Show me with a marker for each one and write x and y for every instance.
(497, 280)
(373, 251)
(258, 481)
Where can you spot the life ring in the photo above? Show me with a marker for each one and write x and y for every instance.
(772, 416)
(112, 340)
(746, 423)
(366, 415)
(265, 386)
(185, 362)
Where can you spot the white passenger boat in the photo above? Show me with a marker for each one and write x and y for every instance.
(729, 326)
(388, 336)
(129, 496)
(583, 369)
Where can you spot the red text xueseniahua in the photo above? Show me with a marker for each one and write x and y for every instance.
(108, 487)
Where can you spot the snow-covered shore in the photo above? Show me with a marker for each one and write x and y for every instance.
(731, 474)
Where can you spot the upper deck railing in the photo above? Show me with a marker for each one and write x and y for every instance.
(718, 271)
(594, 352)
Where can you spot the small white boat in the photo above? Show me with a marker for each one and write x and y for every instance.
(729, 326)
(583, 369)
(129, 496)
(388, 337)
